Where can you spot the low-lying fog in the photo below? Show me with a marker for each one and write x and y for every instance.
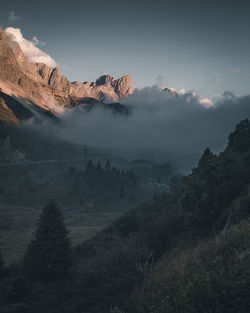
(157, 121)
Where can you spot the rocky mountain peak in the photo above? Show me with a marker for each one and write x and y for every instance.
(59, 82)
(124, 86)
(38, 87)
(104, 79)
(171, 91)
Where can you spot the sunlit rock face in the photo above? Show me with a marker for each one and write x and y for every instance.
(105, 88)
(40, 88)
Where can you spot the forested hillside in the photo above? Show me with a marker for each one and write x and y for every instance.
(184, 251)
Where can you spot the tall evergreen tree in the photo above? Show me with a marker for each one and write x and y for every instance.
(122, 194)
(239, 139)
(108, 166)
(49, 254)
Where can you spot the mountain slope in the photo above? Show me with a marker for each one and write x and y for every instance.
(185, 251)
(40, 88)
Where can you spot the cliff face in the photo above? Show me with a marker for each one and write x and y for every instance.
(40, 88)
(105, 88)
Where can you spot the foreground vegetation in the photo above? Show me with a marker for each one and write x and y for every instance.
(184, 251)
(18, 223)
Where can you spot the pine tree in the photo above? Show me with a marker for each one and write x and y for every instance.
(49, 254)
(107, 166)
(99, 168)
(239, 140)
(89, 167)
(206, 157)
(122, 194)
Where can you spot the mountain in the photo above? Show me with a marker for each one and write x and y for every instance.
(170, 91)
(35, 90)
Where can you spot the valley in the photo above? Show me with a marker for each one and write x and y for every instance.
(25, 187)
(120, 196)
(18, 224)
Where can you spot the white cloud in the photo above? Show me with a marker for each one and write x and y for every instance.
(206, 102)
(13, 17)
(31, 52)
(182, 91)
(37, 42)
(52, 104)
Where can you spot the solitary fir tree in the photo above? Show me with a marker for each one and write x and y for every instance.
(49, 254)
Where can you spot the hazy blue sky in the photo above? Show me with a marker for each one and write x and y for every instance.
(201, 45)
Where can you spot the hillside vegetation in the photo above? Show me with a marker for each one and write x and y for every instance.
(184, 251)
